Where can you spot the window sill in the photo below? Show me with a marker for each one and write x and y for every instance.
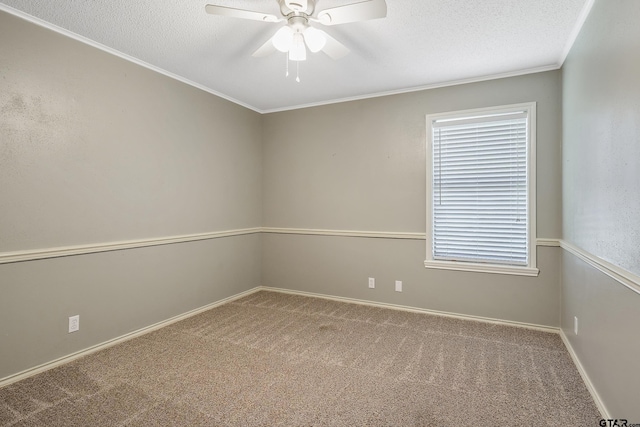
(482, 268)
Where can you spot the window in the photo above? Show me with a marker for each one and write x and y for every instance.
(481, 190)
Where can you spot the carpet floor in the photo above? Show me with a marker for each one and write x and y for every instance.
(273, 359)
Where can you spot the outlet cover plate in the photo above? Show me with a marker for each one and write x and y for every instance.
(372, 282)
(398, 285)
(74, 323)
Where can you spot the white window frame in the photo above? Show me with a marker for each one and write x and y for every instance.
(531, 268)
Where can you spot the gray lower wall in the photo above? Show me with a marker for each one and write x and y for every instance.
(601, 200)
(93, 150)
(341, 266)
(114, 293)
(607, 343)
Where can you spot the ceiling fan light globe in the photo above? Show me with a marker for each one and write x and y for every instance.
(315, 39)
(283, 39)
(298, 51)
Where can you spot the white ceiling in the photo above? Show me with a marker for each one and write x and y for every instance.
(421, 43)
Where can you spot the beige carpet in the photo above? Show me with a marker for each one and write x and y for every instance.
(272, 359)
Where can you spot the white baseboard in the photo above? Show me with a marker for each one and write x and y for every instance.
(76, 355)
(73, 356)
(583, 373)
(533, 326)
(68, 358)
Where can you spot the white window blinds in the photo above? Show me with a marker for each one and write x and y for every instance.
(479, 184)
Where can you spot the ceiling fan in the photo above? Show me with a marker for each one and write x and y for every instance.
(297, 35)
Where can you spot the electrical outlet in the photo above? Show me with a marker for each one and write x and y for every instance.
(575, 325)
(372, 282)
(74, 323)
(398, 285)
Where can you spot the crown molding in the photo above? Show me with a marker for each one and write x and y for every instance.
(582, 18)
(104, 48)
(487, 77)
(107, 49)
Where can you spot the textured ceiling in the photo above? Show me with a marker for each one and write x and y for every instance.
(420, 43)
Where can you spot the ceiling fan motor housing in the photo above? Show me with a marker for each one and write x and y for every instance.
(288, 7)
(298, 23)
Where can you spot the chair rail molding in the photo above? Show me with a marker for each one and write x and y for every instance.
(35, 254)
(62, 251)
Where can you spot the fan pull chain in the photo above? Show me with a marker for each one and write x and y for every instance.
(287, 58)
(298, 71)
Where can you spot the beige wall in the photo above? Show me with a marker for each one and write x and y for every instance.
(361, 166)
(602, 135)
(601, 182)
(94, 150)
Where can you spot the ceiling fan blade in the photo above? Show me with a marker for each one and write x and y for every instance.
(240, 13)
(362, 11)
(266, 49)
(333, 48)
